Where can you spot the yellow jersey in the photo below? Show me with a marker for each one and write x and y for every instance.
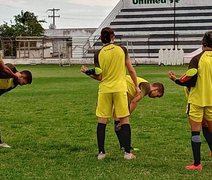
(200, 94)
(145, 87)
(111, 59)
(6, 82)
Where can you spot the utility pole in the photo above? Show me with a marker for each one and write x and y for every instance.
(174, 24)
(53, 26)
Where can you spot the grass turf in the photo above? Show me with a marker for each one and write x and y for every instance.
(51, 126)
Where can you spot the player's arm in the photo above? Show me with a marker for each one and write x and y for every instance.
(184, 80)
(190, 83)
(7, 70)
(190, 77)
(94, 73)
(131, 70)
(133, 75)
(134, 103)
(96, 77)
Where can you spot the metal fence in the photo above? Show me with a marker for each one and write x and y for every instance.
(35, 47)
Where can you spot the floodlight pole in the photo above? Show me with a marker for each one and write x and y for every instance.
(174, 23)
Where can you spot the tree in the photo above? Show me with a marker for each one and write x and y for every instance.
(26, 24)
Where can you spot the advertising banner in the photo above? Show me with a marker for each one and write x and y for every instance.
(164, 3)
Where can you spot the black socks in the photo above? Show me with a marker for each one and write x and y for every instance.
(101, 137)
(126, 134)
(195, 144)
(208, 136)
(118, 132)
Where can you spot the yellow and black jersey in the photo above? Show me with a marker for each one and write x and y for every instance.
(143, 84)
(6, 82)
(111, 59)
(200, 94)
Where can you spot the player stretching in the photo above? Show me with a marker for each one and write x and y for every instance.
(152, 90)
(7, 83)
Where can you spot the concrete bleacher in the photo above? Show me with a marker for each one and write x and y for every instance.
(144, 31)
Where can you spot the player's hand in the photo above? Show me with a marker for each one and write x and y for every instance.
(18, 75)
(172, 76)
(83, 69)
(138, 91)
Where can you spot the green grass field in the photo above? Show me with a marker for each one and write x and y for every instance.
(51, 126)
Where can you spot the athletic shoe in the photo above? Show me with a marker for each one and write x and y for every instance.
(4, 145)
(129, 156)
(192, 166)
(101, 156)
(211, 154)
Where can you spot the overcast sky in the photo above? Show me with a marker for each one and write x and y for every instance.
(73, 13)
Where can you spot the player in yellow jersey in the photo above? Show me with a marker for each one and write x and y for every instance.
(114, 61)
(199, 99)
(8, 82)
(153, 90)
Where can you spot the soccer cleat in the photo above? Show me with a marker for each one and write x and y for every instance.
(192, 166)
(101, 156)
(211, 154)
(188, 75)
(4, 145)
(129, 156)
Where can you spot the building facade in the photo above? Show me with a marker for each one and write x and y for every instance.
(146, 26)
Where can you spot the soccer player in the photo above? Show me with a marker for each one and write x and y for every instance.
(113, 60)
(152, 90)
(199, 106)
(8, 82)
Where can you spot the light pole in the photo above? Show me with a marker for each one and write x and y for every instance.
(174, 24)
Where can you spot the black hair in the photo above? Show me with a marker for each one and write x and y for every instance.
(207, 39)
(106, 35)
(28, 75)
(160, 87)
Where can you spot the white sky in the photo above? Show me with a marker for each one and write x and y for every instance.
(73, 13)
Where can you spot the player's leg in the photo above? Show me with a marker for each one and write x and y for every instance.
(207, 123)
(195, 115)
(2, 144)
(122, 112)
(103, 111)
(207, 135)
(118, 130)
(101, 127)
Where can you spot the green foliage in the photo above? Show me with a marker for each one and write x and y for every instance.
(26, 24)
(51, 126)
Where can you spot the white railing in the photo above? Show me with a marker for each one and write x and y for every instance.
(170, 57)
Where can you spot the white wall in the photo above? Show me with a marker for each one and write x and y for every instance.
(79, 38)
